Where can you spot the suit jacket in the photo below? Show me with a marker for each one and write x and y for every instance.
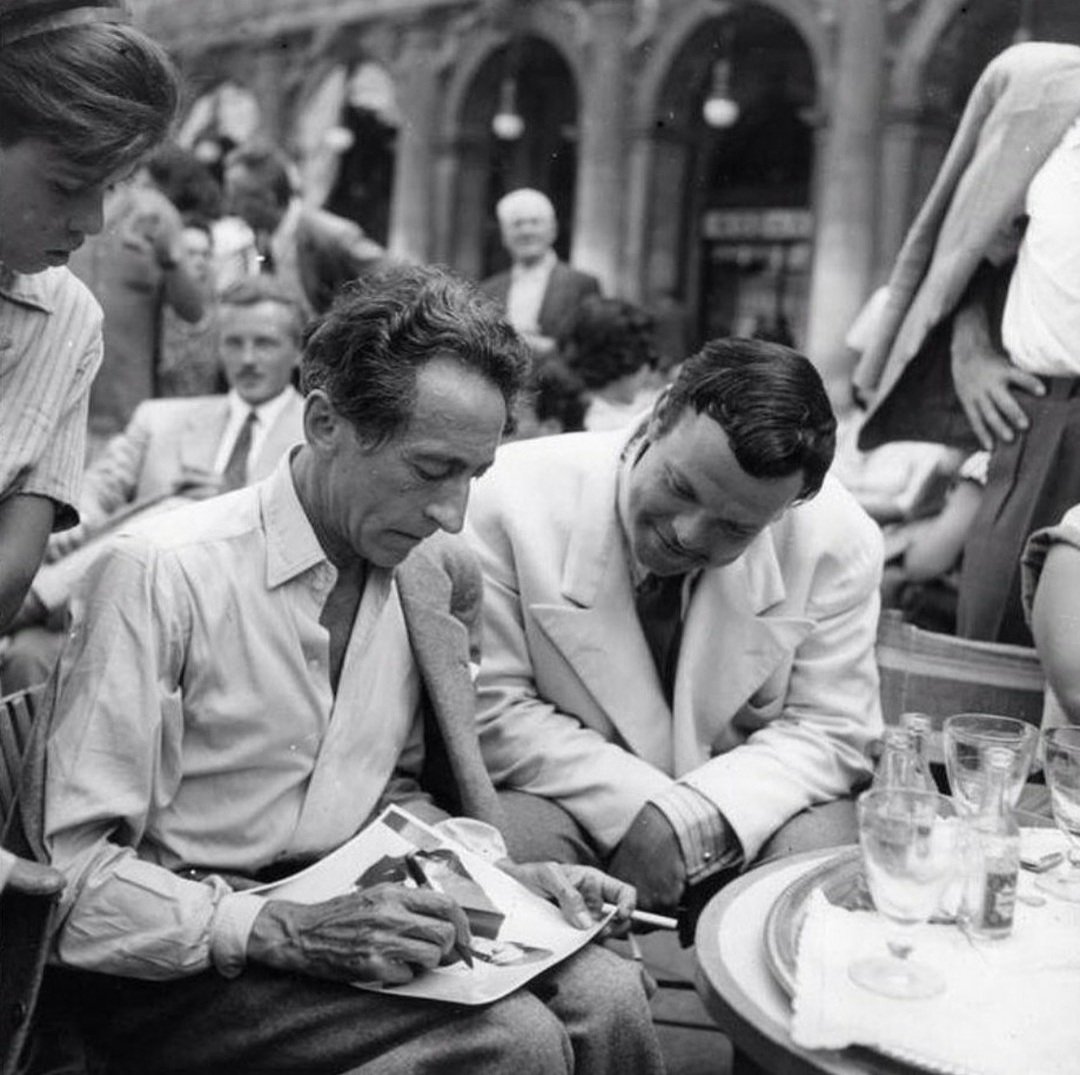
(169, 441)
(331, 251)
(776, 693)
(1017, 113)
(565, 290)
(166, 442)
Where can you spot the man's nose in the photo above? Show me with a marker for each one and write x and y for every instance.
(698, 534)
(448, 511)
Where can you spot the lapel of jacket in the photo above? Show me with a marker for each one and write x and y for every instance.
(200, 436)
(596, 627)
(733, 639)
(286, 431)
(554, 302)
(440, 645)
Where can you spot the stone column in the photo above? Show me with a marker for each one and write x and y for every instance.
(417, 74)
(601, 179)
(843, 265)
(899, 163)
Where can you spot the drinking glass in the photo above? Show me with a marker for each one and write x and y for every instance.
(967, 738)
(910, 842)
(1061, 747)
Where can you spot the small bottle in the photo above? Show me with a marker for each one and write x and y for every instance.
(997, 839)
(898, 766)
(920, 727)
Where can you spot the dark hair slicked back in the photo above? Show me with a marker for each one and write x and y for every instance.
(768, 399)
(364, 352)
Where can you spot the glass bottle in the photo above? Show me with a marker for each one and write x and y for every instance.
(898, 766)
(996, 836)
(921, 727)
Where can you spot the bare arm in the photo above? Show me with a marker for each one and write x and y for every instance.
(25, 523)
(935, 544)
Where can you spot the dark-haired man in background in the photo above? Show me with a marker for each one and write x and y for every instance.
(679, 631)
(310, 249)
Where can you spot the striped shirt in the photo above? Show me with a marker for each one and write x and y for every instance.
(50, 349)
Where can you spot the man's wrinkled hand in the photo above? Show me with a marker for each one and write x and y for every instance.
(580, 891)
(985, 381)
(387, 933)
(34, 878)
(649, 857)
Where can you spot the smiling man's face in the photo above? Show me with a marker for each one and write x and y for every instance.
(47, 205)
(691, 505)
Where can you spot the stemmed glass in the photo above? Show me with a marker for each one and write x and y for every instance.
(967, 738)
(1062, 767)
(909, 842)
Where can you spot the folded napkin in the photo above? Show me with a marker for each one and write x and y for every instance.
(1009, 1006)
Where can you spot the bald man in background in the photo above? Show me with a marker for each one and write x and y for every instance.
(539, 293)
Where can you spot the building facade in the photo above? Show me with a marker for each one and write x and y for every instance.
(740, 166)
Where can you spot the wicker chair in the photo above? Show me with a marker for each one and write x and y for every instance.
(25, 920)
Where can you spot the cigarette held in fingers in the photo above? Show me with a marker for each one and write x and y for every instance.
(646, 918)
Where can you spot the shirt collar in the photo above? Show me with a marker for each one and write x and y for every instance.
(266, 413)
(287, 225)
(291, 545)
(1072, 136)
(33, 289)
(541, 268)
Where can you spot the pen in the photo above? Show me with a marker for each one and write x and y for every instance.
(416, 872)
(647, 918)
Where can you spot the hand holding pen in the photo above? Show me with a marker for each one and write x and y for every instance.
(420, 879)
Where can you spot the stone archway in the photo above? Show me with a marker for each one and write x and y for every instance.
(734, 249)
(544, 156)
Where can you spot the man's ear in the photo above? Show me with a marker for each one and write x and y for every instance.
(322, 423)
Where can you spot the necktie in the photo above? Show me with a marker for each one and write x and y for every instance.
(235, 473)
(659, 607)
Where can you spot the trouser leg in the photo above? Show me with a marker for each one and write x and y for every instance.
(540, 830)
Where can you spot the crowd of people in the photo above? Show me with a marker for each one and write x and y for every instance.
(278, 573)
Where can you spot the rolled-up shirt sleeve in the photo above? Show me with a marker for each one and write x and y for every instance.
(114, 753)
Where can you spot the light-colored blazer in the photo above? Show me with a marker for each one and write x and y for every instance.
(170, 441)
(776, 693)
(1020, 108)
(167, 442)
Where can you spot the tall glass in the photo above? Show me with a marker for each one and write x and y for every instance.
(910, 845)
(1061, 747)
(967, 737)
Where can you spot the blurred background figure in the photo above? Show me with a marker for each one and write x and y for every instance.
(310, 250)
(554, 402)
(611, 346)
(539, 294)
(189, 364)
(135, 269)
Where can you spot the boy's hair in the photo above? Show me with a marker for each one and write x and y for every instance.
(102, 92)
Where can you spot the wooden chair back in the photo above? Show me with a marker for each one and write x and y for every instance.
(940, 675)
(25, 921)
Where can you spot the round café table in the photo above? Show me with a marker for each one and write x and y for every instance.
(740, 993)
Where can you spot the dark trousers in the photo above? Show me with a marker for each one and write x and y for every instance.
(1031, 483)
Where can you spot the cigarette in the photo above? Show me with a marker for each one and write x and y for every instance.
(646, 918)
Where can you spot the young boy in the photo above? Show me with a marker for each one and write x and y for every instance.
(83, 97)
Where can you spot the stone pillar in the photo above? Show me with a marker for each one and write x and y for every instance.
(899, 163)
(417, 75)
(843, 265)
(601, 179)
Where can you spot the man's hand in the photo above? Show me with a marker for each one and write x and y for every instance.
(649, 857)
(541, 346)
(985, 380)
(581, 891)
(387, 933)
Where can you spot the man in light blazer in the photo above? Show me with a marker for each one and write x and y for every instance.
(250, 681)
(676, 768)
(539, 294)
(172, 451)
(977, 343)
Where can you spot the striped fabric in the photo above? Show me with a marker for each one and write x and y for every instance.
(50, 349)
